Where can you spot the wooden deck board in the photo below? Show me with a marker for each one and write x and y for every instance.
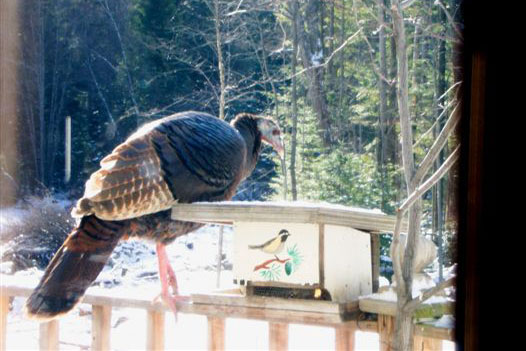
(374, 304)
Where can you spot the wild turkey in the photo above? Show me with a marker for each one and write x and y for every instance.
(186, 157)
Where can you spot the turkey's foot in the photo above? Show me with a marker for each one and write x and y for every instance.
(169, 288)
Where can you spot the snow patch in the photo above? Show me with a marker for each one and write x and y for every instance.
(11, 216)
(295, 204)
(446, 321)
(383, 281)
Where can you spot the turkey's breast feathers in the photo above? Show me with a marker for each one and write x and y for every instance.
(185, 158)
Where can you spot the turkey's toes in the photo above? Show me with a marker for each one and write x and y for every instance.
(170, 297)
(172, 283)
(171, 301)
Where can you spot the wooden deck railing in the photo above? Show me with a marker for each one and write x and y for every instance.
(277, 315)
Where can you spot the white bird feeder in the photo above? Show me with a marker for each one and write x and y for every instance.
(326, 254)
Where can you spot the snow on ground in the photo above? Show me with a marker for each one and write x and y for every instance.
(11, 215)
(193, 257)
(15, 214)
(133, 266)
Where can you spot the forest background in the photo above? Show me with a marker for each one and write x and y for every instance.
(326, 70)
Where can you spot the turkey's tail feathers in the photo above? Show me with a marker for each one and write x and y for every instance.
(74, 267)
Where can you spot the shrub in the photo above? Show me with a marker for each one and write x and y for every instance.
(32, 240)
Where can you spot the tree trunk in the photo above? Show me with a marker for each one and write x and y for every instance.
(452, 183)
(403, 324)
(441, 185)
(342, 126)
(294, 134)
(130, 84)
(416, 56)
(220, 63)
(312, 54)
(9, 55)
(382, 145)
(41, 95)
(330, 67)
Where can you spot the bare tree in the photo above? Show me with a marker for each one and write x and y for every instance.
(382, 90)
(311, 52)
(220, 63)
(403, 258)
(404, 274)
(294, 134)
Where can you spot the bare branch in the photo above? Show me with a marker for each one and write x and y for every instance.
(420, 190)
(329, 58)
(428, 33)
(376, 69)
(430, 129)
(412, 305)
(123, 53)
(449, 18)
(99, 92)
(395, 246)
(202, 73)
(434, 151)
(449, 89)
(111, 65)
(407, 3)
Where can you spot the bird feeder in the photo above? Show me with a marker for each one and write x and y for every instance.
(303, 250)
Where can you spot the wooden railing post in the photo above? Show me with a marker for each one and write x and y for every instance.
(426, 344)
(375, 261)
(386, 331)
(4, 310)
(216, 333)
(344, 338)
(48, 339)
(100, 328)
(155, 330)
(278, 334)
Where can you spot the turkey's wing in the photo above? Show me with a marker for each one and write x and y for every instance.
(129, 183)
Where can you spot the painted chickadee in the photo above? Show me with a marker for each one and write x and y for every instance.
(274, 245)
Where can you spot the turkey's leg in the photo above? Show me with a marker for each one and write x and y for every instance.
(168, 280)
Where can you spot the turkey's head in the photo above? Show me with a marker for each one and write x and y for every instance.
(271, 134)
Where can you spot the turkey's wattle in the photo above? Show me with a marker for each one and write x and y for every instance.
(186, 157)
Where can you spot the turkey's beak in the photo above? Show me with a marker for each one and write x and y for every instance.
(278, 146)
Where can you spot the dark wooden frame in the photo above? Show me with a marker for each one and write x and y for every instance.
(487, 192)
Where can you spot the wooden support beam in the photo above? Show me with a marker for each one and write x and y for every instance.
(100, 328)
(426, 344)
(432, 332)
(386, 330)
(344, 338)
(155, 330)
(48, 339)
(216, 333)
(376, 303)
(375, 261)
(278, 336)
(4, 310)
(321, 253)
(227, 212)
